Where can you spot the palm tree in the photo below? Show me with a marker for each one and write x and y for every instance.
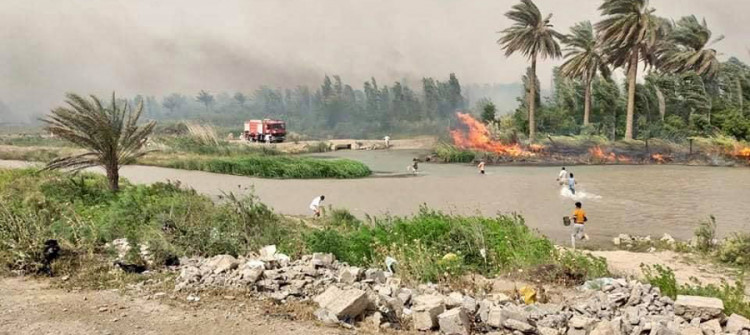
(532, 35)
(628, 34)
(111, 135)
(205, 98)
(584, 59)
(691, 40)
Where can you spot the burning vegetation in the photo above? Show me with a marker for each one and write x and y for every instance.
(477, 137)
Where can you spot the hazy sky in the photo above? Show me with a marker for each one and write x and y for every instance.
(49, 47)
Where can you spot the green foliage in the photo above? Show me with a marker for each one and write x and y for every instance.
(189, 144)
(733, 295)
(737, 125)
(661, 277)
(430, 244)
(111, 135)
(283, 167)
(735, 249)
(452, 154)
(488, 112)
(83, 216)
(705, 235)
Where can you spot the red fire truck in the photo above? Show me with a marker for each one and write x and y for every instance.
(265, 130)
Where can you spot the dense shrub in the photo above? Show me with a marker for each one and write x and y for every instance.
(431, 244)
(733, 295)
(452, 154)
(82, 215)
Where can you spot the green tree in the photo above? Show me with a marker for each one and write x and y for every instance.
(628, 33)
(531, 35)
(691, 50)
(240, 98)
(173, 102)
(205, 98)
(583, 60)
(488, 112)
(110, 134)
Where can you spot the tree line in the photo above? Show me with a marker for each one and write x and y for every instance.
(687, 91)
(334, 108)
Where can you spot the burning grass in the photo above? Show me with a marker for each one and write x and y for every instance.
(478, 138)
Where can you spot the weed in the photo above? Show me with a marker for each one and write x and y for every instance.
(706, 235)
(733, 295)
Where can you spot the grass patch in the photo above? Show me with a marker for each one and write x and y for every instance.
(282, 167)
(433, 246)
(733, 295)
(83, 216)
(452, 154)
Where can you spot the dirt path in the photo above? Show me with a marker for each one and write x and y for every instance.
(627, 263)
(29, 306)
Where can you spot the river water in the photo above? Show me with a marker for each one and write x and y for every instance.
(641, 200)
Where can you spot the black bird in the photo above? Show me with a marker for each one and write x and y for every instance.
(50, 252)
(131, 268)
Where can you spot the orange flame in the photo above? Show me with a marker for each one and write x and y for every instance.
(741, 152)
(598, 153)
(478, 138)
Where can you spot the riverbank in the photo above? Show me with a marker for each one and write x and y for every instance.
(615, 205)
(221, 244)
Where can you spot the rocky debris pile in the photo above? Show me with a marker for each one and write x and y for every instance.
(630, 240)
(122, 247)
(373, 298)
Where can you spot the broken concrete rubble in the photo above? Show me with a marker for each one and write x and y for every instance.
(348, 295)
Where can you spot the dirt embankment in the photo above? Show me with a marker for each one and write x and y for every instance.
(29, 306)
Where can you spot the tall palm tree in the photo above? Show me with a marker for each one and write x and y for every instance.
(628, 33)
(532, 35)
(583, 60)
(111, 134)
(691, 50)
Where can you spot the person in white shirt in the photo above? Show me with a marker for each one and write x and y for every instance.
(315, 205)
(387, 140)
(562, 176)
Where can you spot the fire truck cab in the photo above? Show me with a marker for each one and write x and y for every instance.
(265, 130)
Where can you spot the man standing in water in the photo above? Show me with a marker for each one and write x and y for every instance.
(572, 184)
(315, 205)
(562, 176)
(579, 218)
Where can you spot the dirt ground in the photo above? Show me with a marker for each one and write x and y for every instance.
(417, 143)
(30, 306)
(626, 263)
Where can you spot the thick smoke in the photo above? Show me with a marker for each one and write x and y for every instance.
(51, 47)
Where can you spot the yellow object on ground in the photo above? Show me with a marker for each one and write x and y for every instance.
(450, 257)
(528, 294)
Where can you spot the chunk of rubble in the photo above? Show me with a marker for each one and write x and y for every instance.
(705, 308)
(455, 322)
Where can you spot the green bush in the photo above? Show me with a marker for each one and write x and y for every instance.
(733, 295)
(282, 167)
(83, 216)
(705, 234)
(452, 154)
(421, 242)
(736, 249)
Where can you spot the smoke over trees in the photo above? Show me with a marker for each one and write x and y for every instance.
(335, 108)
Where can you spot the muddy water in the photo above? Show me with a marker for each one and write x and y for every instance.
(619, 199)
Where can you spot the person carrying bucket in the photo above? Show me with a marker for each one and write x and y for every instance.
(579, 219)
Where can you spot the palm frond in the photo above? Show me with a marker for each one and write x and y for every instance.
(110, 133)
